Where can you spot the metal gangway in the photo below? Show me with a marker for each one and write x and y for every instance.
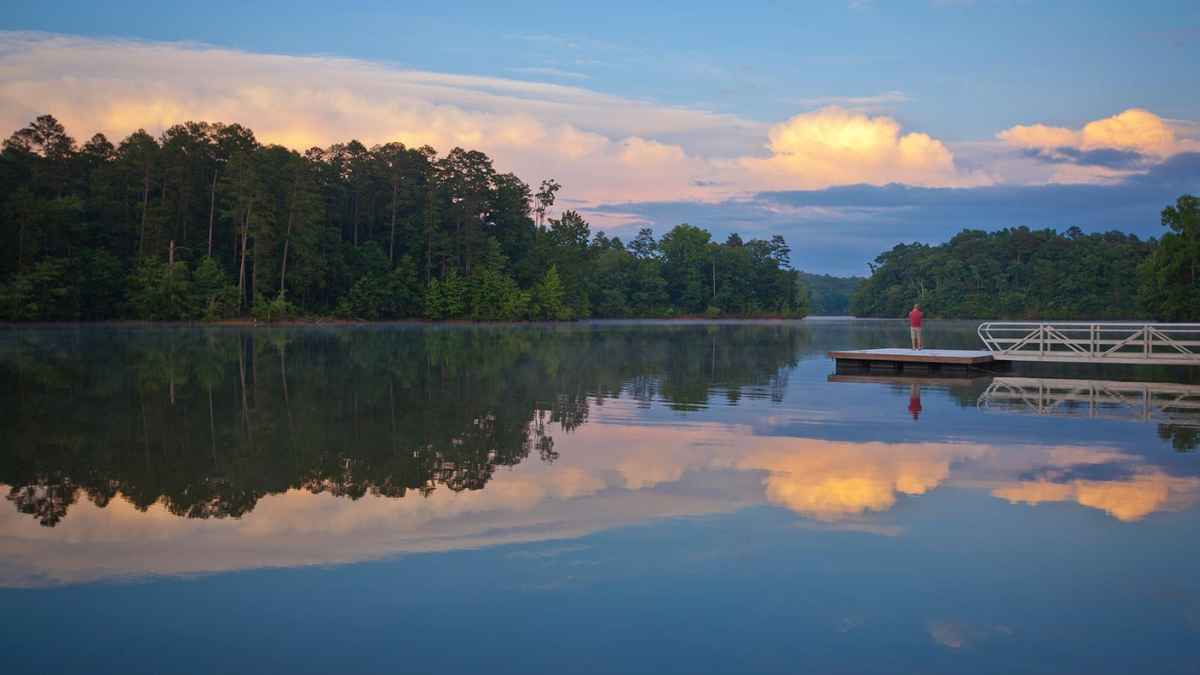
(1090, 342)
(1160, 402)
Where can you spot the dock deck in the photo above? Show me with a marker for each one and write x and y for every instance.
(932, 359)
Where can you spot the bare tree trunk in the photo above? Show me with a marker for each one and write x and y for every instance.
(21, 243)
(392, 236)
(145, 208)
(212, 209)
(254, 270)
(287, 237)
(162, 201)
(245, 242)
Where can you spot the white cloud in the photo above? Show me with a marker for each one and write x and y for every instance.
(1134, 130)
(536, 130)
(604, 149)
(835, 146)
(854, 101)
(553, 72)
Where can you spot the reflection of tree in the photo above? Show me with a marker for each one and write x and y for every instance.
(1182, 438)
(209, 421)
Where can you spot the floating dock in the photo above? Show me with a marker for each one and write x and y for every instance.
(929, 378)
(925, 359)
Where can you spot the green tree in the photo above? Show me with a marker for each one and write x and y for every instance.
(1171, 285)
(550, 298)
(162, 291)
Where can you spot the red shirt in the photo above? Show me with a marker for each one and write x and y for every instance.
(914, 318)
(914, 406)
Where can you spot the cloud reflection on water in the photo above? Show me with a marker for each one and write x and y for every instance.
(610, 474)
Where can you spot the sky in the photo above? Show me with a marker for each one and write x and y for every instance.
(847, 126)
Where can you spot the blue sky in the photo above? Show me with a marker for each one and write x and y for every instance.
(656, 113)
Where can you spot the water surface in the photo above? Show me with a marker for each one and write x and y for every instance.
(590, 498)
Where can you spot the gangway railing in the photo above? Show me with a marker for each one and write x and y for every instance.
(1084, 342)
(1160, 402)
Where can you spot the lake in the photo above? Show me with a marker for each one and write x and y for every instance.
(600, 497)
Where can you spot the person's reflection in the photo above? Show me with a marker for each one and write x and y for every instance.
(914, 400)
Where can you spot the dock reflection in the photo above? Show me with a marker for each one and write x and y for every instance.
(1164, 403)
(1158, 402)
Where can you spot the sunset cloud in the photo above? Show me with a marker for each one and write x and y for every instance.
(1127, 500)
(602, 148)
(833, 481)
(616, 157)
(1134, 130)
(835, 146)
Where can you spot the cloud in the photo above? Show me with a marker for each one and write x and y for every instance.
(626, 161)
(553, 72)
(1126, 500)
(835, 146)
(536, 130)
(834, 481)
(1134, 131)
(960, 635)
(1175, 37)
(613, 472)
(835, 230)
(855, 101)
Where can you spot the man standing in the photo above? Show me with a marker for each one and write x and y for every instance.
(914, 326)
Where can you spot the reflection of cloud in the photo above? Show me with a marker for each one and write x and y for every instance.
(834, 146)
(609, 474)
(961, 635)
(832, 481)
(1127, 500)
(1121, 485)
(954, 635)
(852, 526)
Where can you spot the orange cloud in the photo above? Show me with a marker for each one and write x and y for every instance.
(1134, 130)
(1126, 500)
(602, 148)
(831, 481)
(618, 470)
(835, 146)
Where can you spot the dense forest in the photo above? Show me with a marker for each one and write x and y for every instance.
(828, 295)
(1023, 273)
(206, 222)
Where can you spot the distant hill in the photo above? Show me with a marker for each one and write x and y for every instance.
(828, 295)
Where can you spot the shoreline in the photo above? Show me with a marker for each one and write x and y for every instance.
(255, 323)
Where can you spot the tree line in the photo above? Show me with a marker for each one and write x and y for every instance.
(205, 222)
(1020, 273)
(829, 295)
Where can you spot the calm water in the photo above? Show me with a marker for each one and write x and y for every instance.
(592, 498)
